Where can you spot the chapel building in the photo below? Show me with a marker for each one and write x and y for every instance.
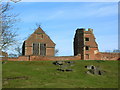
(38, 43)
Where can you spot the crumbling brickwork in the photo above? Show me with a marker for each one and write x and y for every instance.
(84, 44)
(79, 43)
(107, 56)
(39, 43)
(39, 47)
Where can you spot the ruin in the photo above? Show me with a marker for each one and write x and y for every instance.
(39, 47)
(91, 69)
(64, 65)
(86, 46)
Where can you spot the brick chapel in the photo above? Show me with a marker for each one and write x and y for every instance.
(39, 43)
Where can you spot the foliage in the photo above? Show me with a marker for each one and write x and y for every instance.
(7, 20)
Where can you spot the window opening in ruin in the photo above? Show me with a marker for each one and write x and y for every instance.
(39, 49)
(35, 48)
(42, 49)
(86, 48)
(87, 39)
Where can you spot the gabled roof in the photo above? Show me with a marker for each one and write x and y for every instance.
(39, 31)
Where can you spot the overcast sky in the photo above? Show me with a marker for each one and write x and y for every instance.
(61, 19)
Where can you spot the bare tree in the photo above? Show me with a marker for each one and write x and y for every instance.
(7, 22)
(12, 55)
(18, 50)
(56, 52)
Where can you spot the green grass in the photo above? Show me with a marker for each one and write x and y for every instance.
(43, 74)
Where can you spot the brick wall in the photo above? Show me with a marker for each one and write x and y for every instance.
(107, 56)
(12, 59)
(79, 42)
(44, 58)
(39, 58)
(20, 58)
(98, 56)
(110, 56)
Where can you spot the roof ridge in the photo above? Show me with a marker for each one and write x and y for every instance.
(39, 30)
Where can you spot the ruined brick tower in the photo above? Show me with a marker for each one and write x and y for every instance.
(84, 44)
(39, 43)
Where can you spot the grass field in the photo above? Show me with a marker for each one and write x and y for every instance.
(43, 74)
